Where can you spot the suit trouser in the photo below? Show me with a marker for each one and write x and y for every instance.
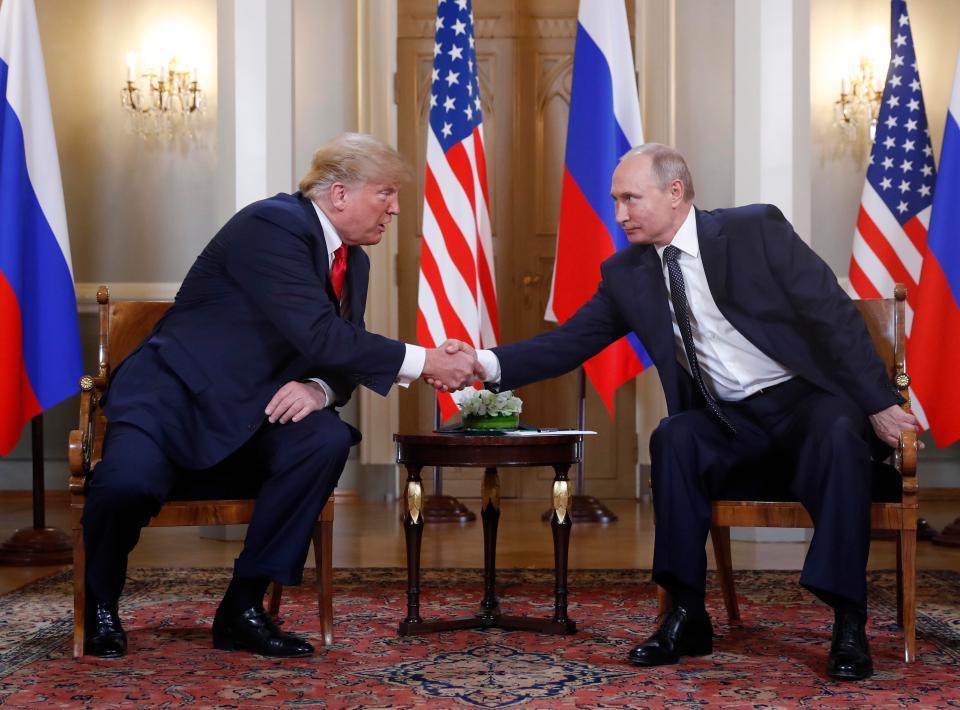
(291, 469)
(828, 439)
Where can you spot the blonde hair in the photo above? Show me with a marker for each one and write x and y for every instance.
(353, 158)
(667, 165)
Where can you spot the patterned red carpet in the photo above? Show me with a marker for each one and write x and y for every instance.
(774, 660)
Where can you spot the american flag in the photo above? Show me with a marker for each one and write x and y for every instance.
(891, 235)
(456, 297)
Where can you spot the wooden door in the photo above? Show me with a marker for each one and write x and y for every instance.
(525, 60)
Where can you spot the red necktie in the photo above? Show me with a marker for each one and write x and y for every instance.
(338, 271)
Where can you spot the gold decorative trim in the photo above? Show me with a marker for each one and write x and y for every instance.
(415, 500)
(490, 490)
(561, 499)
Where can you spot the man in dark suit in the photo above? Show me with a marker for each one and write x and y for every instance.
(241, 378)
(759, 352)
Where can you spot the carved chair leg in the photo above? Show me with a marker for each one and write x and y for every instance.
(79, 590)
(323, 554)
(908, 546)
(721, 550)
(273, 606)
(899, 579)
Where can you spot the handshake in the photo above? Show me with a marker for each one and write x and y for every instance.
(452, 366)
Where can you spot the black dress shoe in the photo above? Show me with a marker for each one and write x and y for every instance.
(103, 634)
(254, 630)
(849, 657)
(680, 634)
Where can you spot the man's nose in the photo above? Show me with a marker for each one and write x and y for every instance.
(620, 212)
(394, 206)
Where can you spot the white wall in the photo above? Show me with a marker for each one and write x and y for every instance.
(704, 97)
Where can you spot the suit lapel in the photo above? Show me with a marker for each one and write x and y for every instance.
(653, 312)
(321, 259)
(713, 252)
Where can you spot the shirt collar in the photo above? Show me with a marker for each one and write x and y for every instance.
(330, 235)
(686, 237)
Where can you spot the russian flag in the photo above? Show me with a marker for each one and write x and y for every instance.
(934, 348)
(39, 334)
(604, 124)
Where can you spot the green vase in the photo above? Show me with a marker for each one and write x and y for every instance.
(504, 421)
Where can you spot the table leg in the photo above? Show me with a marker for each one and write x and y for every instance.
(490, 513)
(560, 523)
(413, 532)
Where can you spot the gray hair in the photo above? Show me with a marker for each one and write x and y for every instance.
(667, 165)
(352, 158)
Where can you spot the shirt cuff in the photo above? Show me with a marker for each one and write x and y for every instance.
(491, 366)
(412, 366)
(331, 396)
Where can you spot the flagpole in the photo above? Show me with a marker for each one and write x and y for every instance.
(437, 474)
(38, 545)
(439, 508)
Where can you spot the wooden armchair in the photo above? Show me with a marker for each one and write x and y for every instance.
(885, 321)
(123, 325)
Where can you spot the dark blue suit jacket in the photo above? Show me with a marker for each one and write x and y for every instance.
(766, 281)
(255, 311)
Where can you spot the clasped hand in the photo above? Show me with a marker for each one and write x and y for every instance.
(452, 366)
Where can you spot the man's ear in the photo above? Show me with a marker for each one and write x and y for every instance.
(338, 195)
(676, 191)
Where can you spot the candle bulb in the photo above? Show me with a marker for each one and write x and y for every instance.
(843, 86)
(131, 66)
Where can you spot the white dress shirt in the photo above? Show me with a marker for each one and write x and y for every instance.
(413, 360)
(732, 367)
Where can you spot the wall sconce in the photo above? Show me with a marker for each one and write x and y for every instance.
(855, 112)
(168, 103)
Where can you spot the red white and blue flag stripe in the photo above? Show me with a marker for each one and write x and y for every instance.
(604, 124)
(456, 296)
(40, 343)
(891, 234)
(934, 349)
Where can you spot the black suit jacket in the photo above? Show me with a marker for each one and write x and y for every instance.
(766, 281)
(255, 311)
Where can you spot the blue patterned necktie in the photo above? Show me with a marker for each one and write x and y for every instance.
(678, 294)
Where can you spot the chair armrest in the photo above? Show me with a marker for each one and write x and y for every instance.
(905, 457)
(83, 439)
(905, 461)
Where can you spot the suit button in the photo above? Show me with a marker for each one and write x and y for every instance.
(251, 427)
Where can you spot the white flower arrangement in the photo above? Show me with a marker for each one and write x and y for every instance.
(484, 403)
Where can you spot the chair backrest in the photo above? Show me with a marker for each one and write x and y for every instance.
(129, 323)
(885, 319)
(123, 326)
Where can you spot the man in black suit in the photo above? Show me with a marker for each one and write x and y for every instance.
(240, 379)
(759, 352)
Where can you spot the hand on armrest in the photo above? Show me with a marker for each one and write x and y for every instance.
(889, 422)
